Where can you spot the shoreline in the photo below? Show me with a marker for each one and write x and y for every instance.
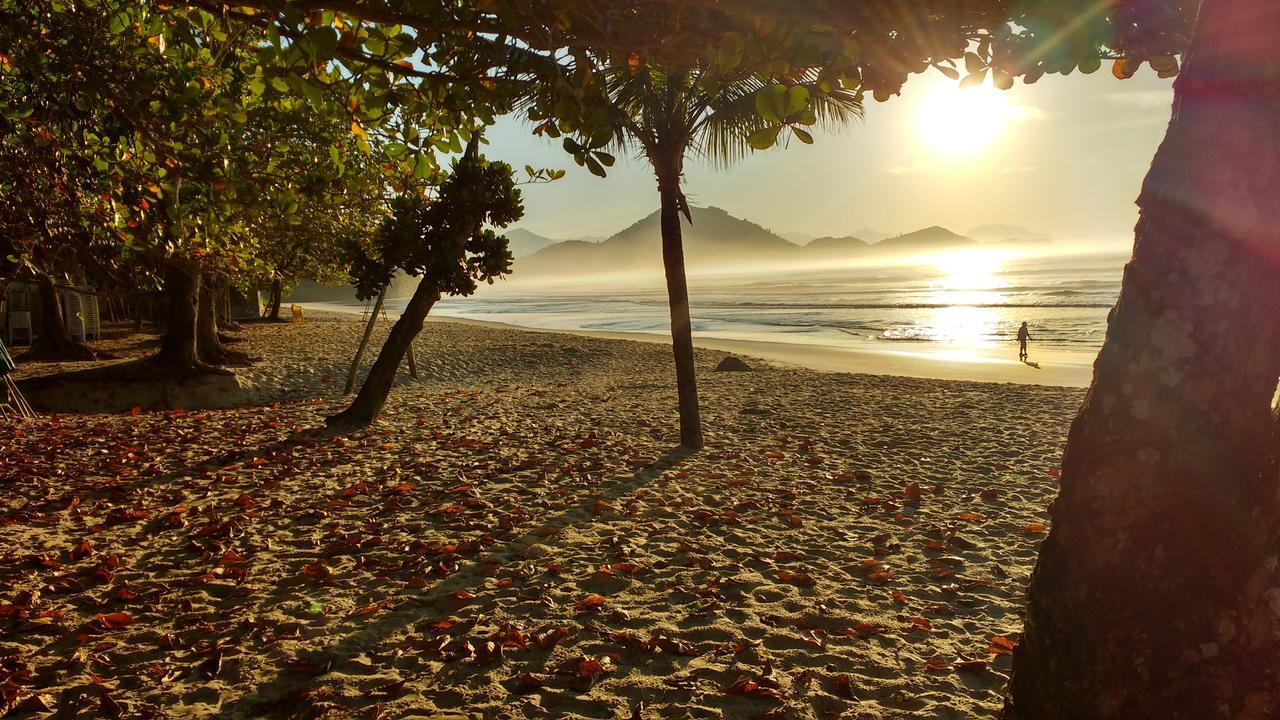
(1057, 368)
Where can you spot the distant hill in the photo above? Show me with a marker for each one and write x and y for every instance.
(870, 235)
(523, 242)
(797, 238)
(1010, 234)
(714, 238)
(837, 246)
(402, 285)
(930, 238)
(717, 239)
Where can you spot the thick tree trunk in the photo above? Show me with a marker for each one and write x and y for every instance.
(178, 355)
(277, 293)
(209, 346)
(668, 170)
(1155, 595)
(364, 343)
(377, 385)
(52, 339)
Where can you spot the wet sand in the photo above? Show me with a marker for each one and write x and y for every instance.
(1056, 367)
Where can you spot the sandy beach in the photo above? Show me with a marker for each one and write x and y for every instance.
(1050, 366)
(518, 538)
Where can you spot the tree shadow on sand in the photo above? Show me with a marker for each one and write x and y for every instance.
(272, 697)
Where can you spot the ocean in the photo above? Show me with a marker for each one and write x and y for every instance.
(968, 299)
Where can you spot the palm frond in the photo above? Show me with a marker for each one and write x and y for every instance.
(721, 135)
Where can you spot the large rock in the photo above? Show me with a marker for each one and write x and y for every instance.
(733, 364)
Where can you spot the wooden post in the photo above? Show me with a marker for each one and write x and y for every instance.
(364, 343)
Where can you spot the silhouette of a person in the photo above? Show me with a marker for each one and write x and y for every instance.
(1024, 334)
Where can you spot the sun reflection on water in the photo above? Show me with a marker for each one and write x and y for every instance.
(969, 287)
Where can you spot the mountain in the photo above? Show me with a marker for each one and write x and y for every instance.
(930, 238)
(523, 242)
(797, 238)
(1009, 234)
(716, 239)
(870, 235)
(713, 238)
(837, 246)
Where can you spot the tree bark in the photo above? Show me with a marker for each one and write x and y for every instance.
(277, 293)
(373, 394)
(1155, 594)
(178, 350)
(52, 339)
(364, 343)
(669, 171)
(209, 346)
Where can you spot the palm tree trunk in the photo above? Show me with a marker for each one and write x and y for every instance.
(377, 385)
(1155, 593)
(678, 300)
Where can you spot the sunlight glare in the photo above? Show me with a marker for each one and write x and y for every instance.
(970, 269)
(958, 123)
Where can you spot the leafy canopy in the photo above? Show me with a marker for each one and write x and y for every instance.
(447, 239)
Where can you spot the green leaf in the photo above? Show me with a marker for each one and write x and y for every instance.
(764, 139)
(797, 100)
(605, 158)
(771, 103)
(601, 137)
(973, 81)
(312, 94)
(949, 72)
(595, 167)
(803, 135)
(974, 64)
(422, 167)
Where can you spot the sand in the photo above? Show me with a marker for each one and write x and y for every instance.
(987, 363)
(519, 538)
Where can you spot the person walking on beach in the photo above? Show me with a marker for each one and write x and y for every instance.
(1024, 334)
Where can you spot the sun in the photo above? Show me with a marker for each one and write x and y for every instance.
(960, 123)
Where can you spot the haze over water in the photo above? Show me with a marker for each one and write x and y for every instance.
(937, 303)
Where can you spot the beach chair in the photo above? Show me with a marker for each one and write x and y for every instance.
(12, 404)
(73, 313)
(89, 311)
(18, 311)
(297, 312)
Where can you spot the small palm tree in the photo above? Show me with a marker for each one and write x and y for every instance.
(668, 114)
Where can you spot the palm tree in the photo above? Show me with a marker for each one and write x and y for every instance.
(668, 114)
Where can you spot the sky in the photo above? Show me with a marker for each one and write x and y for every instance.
(1065, 156)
